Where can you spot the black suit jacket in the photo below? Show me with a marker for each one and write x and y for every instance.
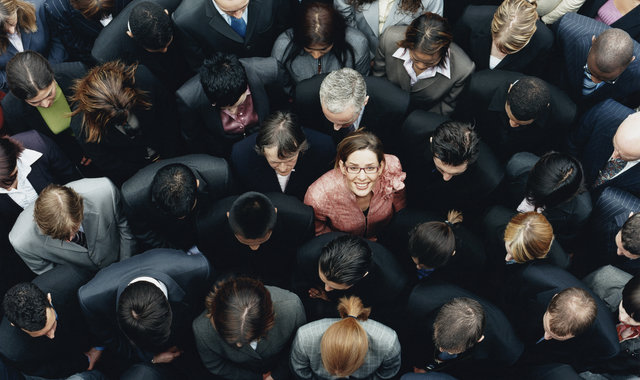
(254, 173)
(151, 227)
(473, 34)
(64, 355)
(200, 121)
(630, 22)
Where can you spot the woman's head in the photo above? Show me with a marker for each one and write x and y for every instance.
(14, 15)
(10, 150)
(94, 9)
(31, 79)
(528, 236)
(360, 157)
(281, 141)
(105, 97)
(513, 25)
(555, 178)
(629, 311)
(428, 38)
(344, 345)
(320, 28)
(431, 244)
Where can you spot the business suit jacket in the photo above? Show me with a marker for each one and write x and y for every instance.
(201, 124)
(438, 94)
(473, 33)
(64, 355)
(185, 276)
(202, 31)
(366, 17)
(629, 23)
(272, 353)
(254, 173)
(105, 226)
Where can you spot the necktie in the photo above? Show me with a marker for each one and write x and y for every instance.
(80, 239)
(613, 167)
(239, 26)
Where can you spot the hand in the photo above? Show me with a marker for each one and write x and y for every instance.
(267, 376)
(94, 355)
(85, 161)
(318, 293)
(167, 356)
(419, 370)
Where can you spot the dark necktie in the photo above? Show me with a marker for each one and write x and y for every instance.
(239, 26)
(80, 239)
(613, 167)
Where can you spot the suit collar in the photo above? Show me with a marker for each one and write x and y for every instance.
(217, 22)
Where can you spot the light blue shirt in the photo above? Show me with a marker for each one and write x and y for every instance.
(227, 18)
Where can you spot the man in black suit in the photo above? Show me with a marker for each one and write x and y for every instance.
(225, 102)
(165, 201)
(43, 333)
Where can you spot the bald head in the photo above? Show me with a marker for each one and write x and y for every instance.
(611, 52)
(626, 141)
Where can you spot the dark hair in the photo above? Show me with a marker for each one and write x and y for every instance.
(430, 34)
(433, 243)
(630, 234)
(455, 143)
(528, 98)
(555, 178)
(631, 298)
(28, 73)
(459, 325)
(25, 305)
(612, 50)
(252, 215)
(10, 150)
(145, 316)
(150, 25)
(281, 130)
(320, 24)
(241, 310)
(345, 260)
(223, 79)
(174, 190)
(407, 6)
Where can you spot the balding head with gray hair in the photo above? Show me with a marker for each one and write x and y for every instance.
(342, 89)
(612, 51)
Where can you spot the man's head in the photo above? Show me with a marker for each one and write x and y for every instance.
(151, 27)
(343, 94)
(30, 78)
(527, 99)
(28, 308)
(628, 238)
(570, 313)
(454, 146)
(611, 52)
(10, 150)
(343, 262)
(554, 179)
(626, 141)
(459, 325)
(58, 212)
(629, 310)
(252, 217)
(174, 190)
(240, 310)
(281, 141)
(144, 316)
(223, 80)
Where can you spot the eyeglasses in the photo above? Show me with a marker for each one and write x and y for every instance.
(590, 75)
(357, 170)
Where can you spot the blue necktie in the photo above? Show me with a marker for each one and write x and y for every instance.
(610, 170)
(239, 26)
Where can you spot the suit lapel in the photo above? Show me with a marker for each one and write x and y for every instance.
(91, 226)
(219, 24)
(370, 13)
(255, 7)
(26, 39)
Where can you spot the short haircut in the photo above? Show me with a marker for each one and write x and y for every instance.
(28, 73)
(433, 243)
(345, 260)
(455, 143)
(459, 325)
(223, 79)
(150, 26)
(429, 34)
(145, 316)
(554, 179)
(630, 234)
(529, 236)
(282, 131)
(344, 345)
(612, 50)
(174, 190)
(528, 98)
(571, 312)
(513, 25)
(342, 89)
(94, 9)
(25, 305)
(359, 140)
(10, 150)
(58, 211)
(631, 298)
(252, 215)
(241, 310)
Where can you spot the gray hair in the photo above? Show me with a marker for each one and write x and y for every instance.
(613, 50)
(343, 88)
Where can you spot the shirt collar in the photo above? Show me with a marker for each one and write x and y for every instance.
(23, 163)
(227, 18)
(444, 69)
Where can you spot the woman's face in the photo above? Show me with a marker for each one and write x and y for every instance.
(361, 171)
(318, 50)
(282, 166)
(11, 23)
(422, 61)
(45, 97)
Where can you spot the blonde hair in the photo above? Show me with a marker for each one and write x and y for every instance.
(344, 345)
(513, 25)
(26, 13)
(529, 236)
(58, 211)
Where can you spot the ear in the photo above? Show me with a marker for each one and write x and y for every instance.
(275, 208)
(342, 168)
(633, 59)
(197, 183)
(227, 214)
(481, 339)
(382, 165)
(509, 90)
(593, 38)
(454, 253)
(167, 12)
(365, 275)
(431, 139)
(631, 214)
(366, 100)
(49, 298)
(129, 34)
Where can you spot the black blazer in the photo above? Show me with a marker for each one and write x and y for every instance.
(630, 22)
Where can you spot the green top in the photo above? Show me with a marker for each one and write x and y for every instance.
(56, 116)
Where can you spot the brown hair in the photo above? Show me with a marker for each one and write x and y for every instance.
(571, 312)
(344, 345)
(105, 97)
(407, 6)
(93, 9)
(433, 243)
(10, 150)
(58, 211)
(529, 236)
(26, 13)
(359, 140)
(430, 34)
(513, 25)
